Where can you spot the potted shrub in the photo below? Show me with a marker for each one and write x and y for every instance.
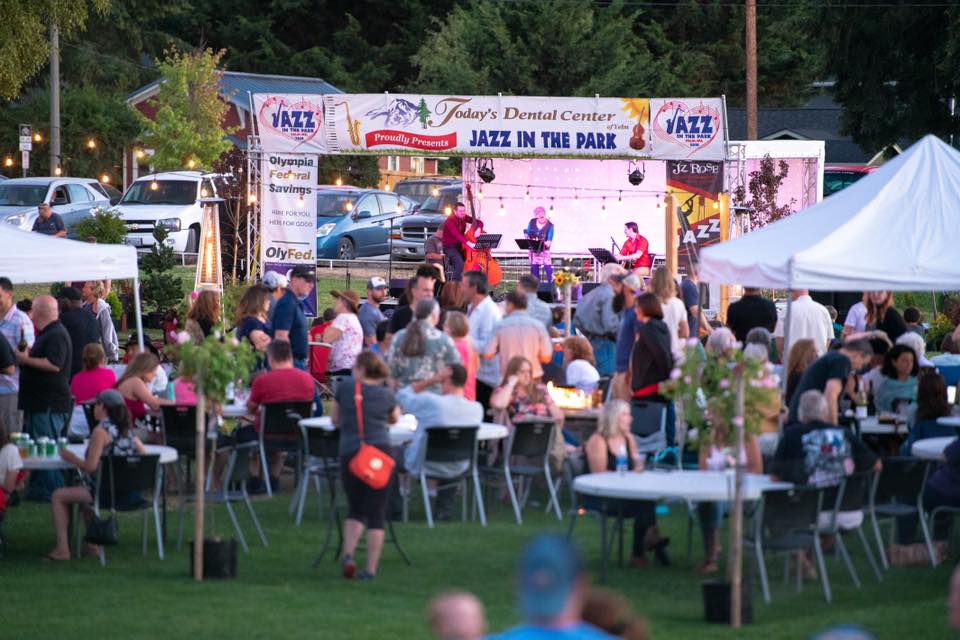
(217, 363)
(105, 226)
(160, 288)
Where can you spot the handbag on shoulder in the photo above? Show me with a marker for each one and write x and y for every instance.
(373, 466)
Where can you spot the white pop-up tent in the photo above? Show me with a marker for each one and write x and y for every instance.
(897, 228)
(31, 257)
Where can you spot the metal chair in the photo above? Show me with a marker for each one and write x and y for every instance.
(321, 460)
(786, 521)
(280, 430)
(902, 477)
(649, 425)
(449, 445)
(130, 474)
(853, 494)
(532, 439)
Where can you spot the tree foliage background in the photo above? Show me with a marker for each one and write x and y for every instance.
(895, 66)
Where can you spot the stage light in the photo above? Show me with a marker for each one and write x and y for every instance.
(636, 176)
(485, 170)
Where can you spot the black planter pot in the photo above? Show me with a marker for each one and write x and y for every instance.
(716, 601)
(219, 558)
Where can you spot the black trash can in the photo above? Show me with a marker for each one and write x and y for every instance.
(219, 558)
(716, 601)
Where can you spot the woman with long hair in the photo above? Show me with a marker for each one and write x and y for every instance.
(882, 315)
(932, 403)
(802, 354)
(898, 378)
(663, 285)
(652, 358)
(519, 395)
(251, 317)
(421, 350)
(579, 365)
(134, 386)
(112, 436)
(204, 315)
(457, 326)
(367, 506)
(612, 446)
(94, 294)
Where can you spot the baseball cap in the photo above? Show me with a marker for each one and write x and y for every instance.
(110, 398)
(632, 281)
(304, 271)
(549, 569)
(70, 293)
(350, 297)
(273, 281)
(376, 282)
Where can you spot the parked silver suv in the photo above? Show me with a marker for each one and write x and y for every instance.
(414, 230)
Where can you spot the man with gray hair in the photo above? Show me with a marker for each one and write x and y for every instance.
(598, 322)
(816, 452)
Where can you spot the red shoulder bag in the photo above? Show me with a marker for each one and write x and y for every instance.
(370, 464)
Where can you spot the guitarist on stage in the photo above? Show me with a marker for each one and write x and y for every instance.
(540, 228)
(635, 254)
(454, 239)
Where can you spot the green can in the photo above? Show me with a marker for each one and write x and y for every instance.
(34, 449)
(51, 448)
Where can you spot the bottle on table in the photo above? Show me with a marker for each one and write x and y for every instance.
(622, 459)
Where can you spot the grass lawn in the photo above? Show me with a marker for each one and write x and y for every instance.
(279, 594)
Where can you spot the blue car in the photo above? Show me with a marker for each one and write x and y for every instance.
(354, 222)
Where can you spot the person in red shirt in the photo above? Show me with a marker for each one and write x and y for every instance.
(283, 383)
(454, 228)
(635, 254)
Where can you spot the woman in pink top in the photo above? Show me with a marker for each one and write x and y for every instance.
(457, 327)
(94, 377)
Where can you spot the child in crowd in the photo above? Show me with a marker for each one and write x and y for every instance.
(914, 320)
(837, 327)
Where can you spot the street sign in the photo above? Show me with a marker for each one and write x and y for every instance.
(26, 137)
(25, 160)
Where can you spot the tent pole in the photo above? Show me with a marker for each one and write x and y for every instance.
(136, 310)
(786, 336)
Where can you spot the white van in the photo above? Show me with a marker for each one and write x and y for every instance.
(170, 200)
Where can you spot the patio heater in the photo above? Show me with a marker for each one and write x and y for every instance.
(209, 261)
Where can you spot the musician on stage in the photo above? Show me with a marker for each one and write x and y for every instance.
(635, 254)
(433, 251)
(454, 228)
(540, 228)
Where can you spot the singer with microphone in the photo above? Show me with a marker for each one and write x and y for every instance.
(540, 228)
(635, 254)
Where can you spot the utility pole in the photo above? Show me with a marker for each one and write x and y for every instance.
(54, 97)
(751, 51)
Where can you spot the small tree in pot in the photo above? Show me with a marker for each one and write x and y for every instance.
(160, 288)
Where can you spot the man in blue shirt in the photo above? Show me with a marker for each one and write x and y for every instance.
(289, 320)
(552, 588)
(49, 223)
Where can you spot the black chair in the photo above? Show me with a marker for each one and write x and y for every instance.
(321, 460)
(130, 474)
(88, 414)
(450, 445)
(787, 521)
(280, 431)
(853, 494)
(898, 492)
(532, 439)
(649, 425)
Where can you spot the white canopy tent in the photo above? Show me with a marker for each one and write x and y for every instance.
(897, 228)
(31, 257)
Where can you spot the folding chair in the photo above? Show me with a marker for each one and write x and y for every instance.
(130, 474)
(450, 445)
(786, 521)
(853, 494)
(532, 439)
(280, 430)
(898, 492)
(649, 425)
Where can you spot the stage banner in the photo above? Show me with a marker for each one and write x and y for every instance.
(688, 128)
(288, 219)
(487, 125)
(696, 186)
(290, 122)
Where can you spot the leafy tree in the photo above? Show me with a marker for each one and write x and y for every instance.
(106, 226)
(24, 29)
(189, 113)
(764, 187)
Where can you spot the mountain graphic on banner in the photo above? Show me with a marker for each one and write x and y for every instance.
(399, 112)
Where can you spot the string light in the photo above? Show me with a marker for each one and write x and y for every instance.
(603, 204)
(480, 193)
(620, 196)
(140, 154)
(8, 161)
(154, 185)
(339, 181)
(191, 163)
(37, 137)
(526, 196)
(91, 144)
(399, 207)
(447, 210)
(435, 193)
(551, 206)
(105, 178)
(716, 205)
(502, 211)
(386, 187)
(300, 202)
(348, 206)
(58, 171)
(252, 198)
(203, 193)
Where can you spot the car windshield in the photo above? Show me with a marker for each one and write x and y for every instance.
(24, 195)
(330, 205)
(437, 204)
(161, 192)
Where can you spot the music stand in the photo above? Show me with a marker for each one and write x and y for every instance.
(602, 256)
(488, 240)
(528, 244)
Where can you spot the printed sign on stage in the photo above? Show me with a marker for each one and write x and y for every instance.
(688, 128)
(289, 215)
(290, 122)
(697, 187)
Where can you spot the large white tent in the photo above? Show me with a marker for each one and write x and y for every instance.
(31, 257)
(898, 228)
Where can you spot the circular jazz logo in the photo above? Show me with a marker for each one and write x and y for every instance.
(693, 127)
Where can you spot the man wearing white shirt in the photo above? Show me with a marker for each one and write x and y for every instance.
(483, 314)
(808, 319)
(856, 321)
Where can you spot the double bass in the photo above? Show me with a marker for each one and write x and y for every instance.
(479, 259)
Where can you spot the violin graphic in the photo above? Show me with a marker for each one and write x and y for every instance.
(638, 142)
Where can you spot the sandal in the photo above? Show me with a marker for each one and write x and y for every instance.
(52, 558)
(365, 575)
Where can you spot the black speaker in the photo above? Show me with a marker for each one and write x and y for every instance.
(545, 292)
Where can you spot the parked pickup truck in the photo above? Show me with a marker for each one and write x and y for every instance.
(170, 200)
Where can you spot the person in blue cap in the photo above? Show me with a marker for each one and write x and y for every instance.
(552, 587)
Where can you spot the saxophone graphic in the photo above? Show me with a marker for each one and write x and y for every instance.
(353, 126)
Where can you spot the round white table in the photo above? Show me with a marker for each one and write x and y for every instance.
(235, 410)
(931, 448)
(872, 426)
(38, 463)
(402, 432)
(949, 421)
(697, 486)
